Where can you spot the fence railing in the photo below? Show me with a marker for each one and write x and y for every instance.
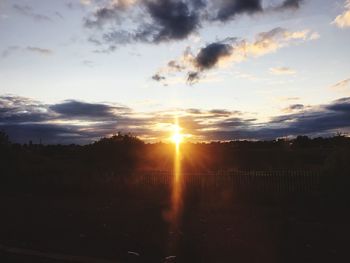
(260, 181)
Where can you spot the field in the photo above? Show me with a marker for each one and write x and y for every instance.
(129, 222)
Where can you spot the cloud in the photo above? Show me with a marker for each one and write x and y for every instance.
(85, 2)
(37, 50)
(282, 71)
(221, 112)
(294, 4)
(164, 20)
(343, 20)
(341, 85)
(171, 20)
(158, 77)
(294, 107)
(58, 14)
(210, 55)
(14, 109)
(112, 12)
(288, 98)
(45, 133)
(229, 9)
(9, 50)
(174, 66)
(194, 111)
(155, 21)
(88, 63)
(72, 121)
(271, 41)
(234, 50)
(159, 20)
(76, 109)
(42, 51)
(26, 10)
(193, 77)
(322, 120)
(341, 106)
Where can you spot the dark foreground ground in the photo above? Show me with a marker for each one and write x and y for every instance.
(216, 226)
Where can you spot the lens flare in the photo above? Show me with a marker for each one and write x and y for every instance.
(175, 214)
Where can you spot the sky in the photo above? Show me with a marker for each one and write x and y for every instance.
(73, 71)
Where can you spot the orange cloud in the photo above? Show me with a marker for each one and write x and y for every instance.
(343, 20)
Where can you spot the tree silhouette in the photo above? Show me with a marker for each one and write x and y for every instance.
(4, 139)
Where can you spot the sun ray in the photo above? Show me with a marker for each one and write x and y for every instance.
(176, 196)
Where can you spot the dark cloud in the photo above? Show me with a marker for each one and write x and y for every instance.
(121, 37)
(194, 111)
(234, 122)
(45, 133)
(317, 120)
(193, 77)
(174, 65)
(220, 112)
(209, 56)
(324, 120)
(295, 4)
(231, 8)
(158, 77)
(294, 107)
(78, 109)
(159, 20)
(22, 117)
(25, 119)
(14, 109)
(155, 21)
(106, 14)
(79, 122)
(235, 50)
(341, 106)
(173, 19)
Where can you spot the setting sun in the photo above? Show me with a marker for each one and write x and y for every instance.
(177, 137)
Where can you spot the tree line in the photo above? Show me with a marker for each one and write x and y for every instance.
(125, 152)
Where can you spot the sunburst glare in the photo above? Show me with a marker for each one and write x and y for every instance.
(177, 137)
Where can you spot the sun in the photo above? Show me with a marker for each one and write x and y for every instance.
(177, 137)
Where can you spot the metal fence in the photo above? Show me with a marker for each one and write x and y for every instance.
(259, 181)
